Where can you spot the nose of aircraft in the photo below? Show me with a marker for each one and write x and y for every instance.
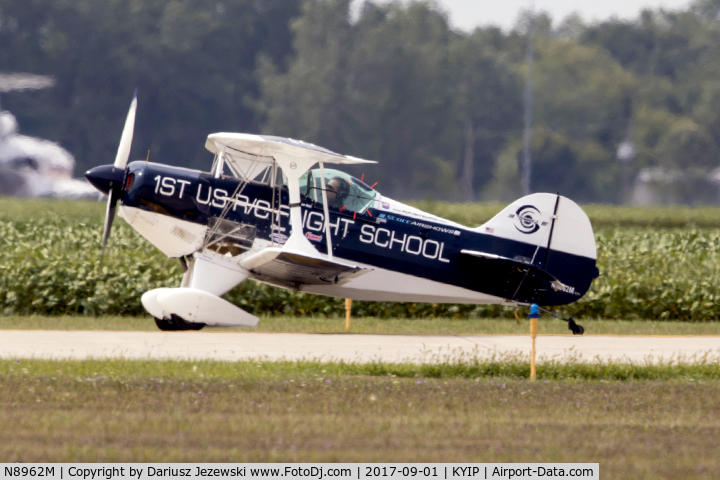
(105, 178)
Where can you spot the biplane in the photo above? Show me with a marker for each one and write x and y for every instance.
(282, 212)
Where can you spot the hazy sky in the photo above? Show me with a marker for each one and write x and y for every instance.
(467, 14)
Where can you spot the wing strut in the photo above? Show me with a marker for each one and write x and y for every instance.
(244, 179)
(328, 240)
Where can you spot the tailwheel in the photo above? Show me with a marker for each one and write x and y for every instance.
(572, 326)
(175, 324)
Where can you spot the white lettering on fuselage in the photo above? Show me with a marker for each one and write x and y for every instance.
(437, 228)
(199, 194)
(218, 198)
(260, 208)
(182, 186)
(311, 220)
(314, 221)
(264, 207)
(414, 245)
(166, 186)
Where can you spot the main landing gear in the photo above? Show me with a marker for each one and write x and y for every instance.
(175, 323)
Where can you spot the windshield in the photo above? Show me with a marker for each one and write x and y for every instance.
(253, 168)
(344, 192)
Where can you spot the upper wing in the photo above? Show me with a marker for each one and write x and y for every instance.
(268, 146)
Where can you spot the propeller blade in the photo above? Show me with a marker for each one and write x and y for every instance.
(123, 152)
(109, 217)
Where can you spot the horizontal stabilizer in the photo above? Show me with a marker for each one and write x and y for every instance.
(197, 306)
(524, 266)
(291, 267)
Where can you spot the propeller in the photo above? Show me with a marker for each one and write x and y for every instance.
(127, 135)
(108, 178)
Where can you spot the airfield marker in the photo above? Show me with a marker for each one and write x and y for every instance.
(348, 309)
(534, 315)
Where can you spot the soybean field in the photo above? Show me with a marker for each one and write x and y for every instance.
(655, 263)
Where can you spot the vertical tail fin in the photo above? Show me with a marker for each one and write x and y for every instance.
(563, 239)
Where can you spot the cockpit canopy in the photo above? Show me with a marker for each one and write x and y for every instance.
(344, 192)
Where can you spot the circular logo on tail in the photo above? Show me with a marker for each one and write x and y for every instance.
(527, 219)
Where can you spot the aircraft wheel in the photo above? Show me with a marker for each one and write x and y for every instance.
(175, 324)
(166, 324)
(183, 324)
(574, 327)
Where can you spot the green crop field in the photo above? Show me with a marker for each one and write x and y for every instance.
(655, 263)
(601, 216)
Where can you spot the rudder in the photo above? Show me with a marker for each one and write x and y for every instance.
(564, 244)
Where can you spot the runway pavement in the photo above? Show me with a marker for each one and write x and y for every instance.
(233, 346)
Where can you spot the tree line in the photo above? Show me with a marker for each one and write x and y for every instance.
(440, 109)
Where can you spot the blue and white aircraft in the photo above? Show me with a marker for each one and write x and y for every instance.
(276, 210)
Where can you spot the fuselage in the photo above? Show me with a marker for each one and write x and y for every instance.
(415, 256)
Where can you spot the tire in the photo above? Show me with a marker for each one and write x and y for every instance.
(183, 324)
(176, 324)
(166, 324)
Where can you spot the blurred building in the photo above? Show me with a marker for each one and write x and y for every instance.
(661, 186)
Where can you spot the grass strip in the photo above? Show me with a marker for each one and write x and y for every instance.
(147, 411)
(510, 366)
(374, 325)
